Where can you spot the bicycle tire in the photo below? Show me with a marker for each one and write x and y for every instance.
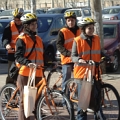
(5, 94)
(43, 111)
(52, 78)
(110, 108)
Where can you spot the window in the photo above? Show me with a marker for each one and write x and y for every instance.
(43, 24)
(6, 13)
(111, 11)
(87, 12)
(60, 23)
(109, 31)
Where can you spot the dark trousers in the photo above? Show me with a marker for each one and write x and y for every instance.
(8, 79)
(21, 82)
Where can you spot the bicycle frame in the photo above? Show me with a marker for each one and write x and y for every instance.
(42, 86)
(73, 88)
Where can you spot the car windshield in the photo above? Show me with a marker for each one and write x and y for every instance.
(2, 26)
(111, 11)
(6, 13)
(44, 23)
(87, 12)
(109, 31)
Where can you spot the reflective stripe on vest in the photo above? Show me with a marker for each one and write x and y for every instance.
(88, 52)
(68, 41)
(36, 49)
(68, 37)
(39, 62)
(15, 33)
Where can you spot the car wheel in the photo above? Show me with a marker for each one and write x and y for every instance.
(115, 64)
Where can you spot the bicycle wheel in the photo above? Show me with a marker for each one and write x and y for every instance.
(54, 79)
(5, 94)
(110, 103)
(63, 112)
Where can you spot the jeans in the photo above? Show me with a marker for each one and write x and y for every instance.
(66, 70)
(8, 79)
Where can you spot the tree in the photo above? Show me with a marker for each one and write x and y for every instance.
(97, 16)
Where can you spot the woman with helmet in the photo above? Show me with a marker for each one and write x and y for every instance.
(26, 42)
(11, 32)
(64, 44)
(85, 47)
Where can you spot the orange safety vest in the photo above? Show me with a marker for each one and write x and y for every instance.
(69, 37)
(35, 57)
(15, 34)
(86, 53)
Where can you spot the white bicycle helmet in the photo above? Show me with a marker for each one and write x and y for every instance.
(29, 17)
(86, 21)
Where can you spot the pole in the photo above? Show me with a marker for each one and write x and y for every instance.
(97, 16)
(52, 3)
(24, 5)
(33, 6)
(63, 3)
(88, 3)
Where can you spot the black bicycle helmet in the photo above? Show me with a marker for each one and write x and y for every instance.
(18, 12)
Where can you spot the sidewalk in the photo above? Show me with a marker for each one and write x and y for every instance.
(113, 79)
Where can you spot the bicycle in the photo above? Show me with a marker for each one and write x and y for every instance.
(110, 101)
(49, 105)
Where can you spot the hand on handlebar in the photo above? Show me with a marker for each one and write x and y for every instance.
(32, 65)
(81, 61)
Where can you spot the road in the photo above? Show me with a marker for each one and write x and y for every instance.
(112, 78)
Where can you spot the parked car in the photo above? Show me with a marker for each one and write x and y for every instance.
(111, 32)
(3, 51)
(56, 10)
(48, 28)
(38, 11)
(111, 13)
(6, 14)
(81, 12)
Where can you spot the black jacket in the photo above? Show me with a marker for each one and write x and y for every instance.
(6, 39)
(60, 41)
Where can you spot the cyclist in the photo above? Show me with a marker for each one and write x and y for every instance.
(64, 44)
(11, 32)
(85, 47)
(24, 44)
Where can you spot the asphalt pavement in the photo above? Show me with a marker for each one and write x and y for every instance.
(112, 78)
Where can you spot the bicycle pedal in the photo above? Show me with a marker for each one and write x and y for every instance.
(13, 105)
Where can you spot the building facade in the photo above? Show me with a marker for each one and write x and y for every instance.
(46, 4)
